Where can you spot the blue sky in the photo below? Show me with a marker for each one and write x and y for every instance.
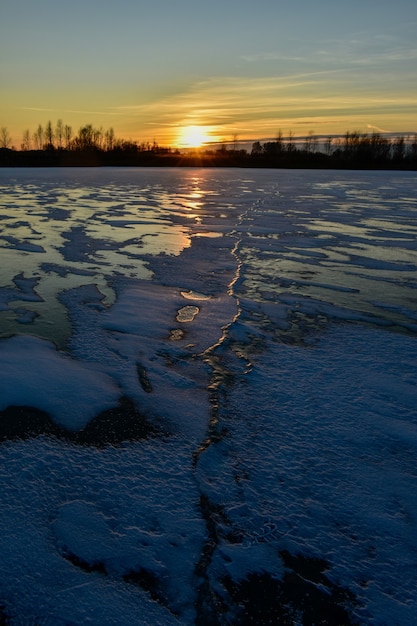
(241, 68)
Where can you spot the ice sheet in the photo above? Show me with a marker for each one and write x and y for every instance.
(282, 407)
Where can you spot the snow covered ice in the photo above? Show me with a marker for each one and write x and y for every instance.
(258, 329)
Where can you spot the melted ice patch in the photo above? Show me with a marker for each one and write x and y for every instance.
(194, 295)
(187, 313)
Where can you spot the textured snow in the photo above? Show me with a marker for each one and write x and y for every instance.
(284, 404)
(35, 374)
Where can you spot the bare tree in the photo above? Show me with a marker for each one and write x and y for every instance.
(328, 145)
(85, 138)
(412, 148)
(59, 133)
(38, 138)
(5, 138)
(49, 135)
(290, 143)
(67, 136)
(279, 140)
(98, 137)
(26, 145)
(307, 142)
(256, 148)
(88, 138)
(109, 139)
(352, 140)
(310, 143)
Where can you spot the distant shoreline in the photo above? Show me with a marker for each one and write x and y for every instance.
(270, 156)
(297, 159)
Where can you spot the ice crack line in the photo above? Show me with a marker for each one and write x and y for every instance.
(222, 377)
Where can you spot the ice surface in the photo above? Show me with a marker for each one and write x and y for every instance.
(80, 530)
(320, 455)
(284, 406)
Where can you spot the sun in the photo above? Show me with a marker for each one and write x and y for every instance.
(192, 137)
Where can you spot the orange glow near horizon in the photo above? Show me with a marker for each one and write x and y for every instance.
(193, 137)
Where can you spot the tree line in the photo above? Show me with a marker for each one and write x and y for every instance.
(61, 136)
(54, 145)
(358, 148)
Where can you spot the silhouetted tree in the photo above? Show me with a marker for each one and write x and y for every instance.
(279, 140)
(120, 145)
(109, 139)
(328, 146)
(98, 137)
(38, 138)
(290, 142)
(310, 143)
(144, 146)
(49, 136)
(274, 148)
(351, 143)
(257, 148)
(59, 133)
(354, 149)
(398, 149)
(26, 145)
(67, 136)
(85, 138)
(5, 138)
(380, 147)
(412, 151)
(269, 148)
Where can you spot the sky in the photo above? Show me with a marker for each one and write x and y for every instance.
(239, 70)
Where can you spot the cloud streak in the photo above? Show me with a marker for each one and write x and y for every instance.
(299, 65)
(263, 105)
(71, 111)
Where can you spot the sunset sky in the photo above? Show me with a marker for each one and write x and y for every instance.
(237, 68)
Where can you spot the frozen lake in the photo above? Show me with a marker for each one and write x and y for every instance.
(208, 396)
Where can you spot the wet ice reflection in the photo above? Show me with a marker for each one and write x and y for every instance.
(350, 250)
(340, 239)
(68, 233)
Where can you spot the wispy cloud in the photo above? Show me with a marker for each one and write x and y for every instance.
(379, 130)
(263, 105)
(361, 49)
(41, 109)
(395, 55)
(71, 111)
